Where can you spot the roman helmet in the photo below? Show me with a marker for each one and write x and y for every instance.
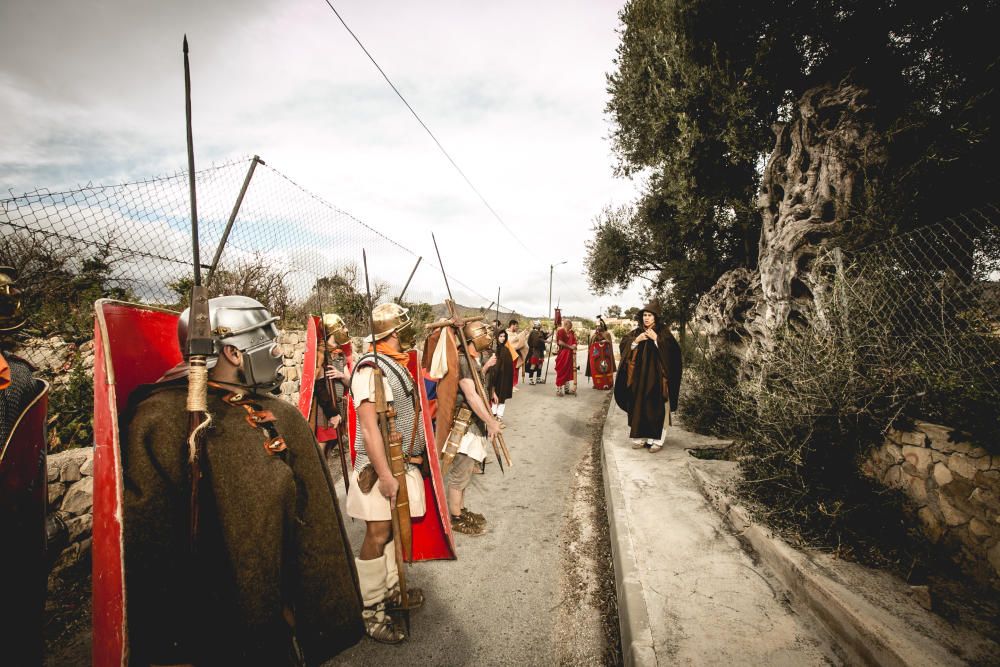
(11, 308)
(389, 318)
(336, 328)
(478, 333)
(247, 325)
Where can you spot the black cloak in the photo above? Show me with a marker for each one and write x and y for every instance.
(503, 372)
(639, 382)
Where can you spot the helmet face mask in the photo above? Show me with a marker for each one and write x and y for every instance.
(261, 367)
(245, 324)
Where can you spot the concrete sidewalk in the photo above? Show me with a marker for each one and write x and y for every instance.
(687, 592)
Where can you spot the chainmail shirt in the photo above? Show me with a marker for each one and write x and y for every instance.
(15, 398)
(400, 389)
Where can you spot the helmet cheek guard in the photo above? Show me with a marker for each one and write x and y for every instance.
(245, 324)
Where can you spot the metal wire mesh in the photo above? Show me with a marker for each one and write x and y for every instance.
(289, 248)
(935, 292)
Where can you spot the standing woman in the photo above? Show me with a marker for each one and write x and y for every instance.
(649, 379)
(502, 385)
(566, 358)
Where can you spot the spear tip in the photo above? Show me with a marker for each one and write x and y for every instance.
(185, 43)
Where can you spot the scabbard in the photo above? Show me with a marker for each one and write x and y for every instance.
(397, 464)
(459, 427)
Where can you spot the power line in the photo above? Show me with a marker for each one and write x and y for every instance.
(427, 129)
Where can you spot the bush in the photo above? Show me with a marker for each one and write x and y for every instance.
(71, 411)
(807, 411)
(708, 376)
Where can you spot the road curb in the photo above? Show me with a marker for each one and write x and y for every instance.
(867, 634)
(633, 616)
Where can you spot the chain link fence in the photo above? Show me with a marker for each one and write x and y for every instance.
(934, 293)
(292, 250)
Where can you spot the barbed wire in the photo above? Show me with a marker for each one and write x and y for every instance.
(290, 248)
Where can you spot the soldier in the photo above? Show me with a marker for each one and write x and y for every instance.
(267, 578)
(330, 364)
(464, 420)
(373, 488)
(536, 352)
(23, 491)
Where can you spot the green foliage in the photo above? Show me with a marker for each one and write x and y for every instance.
(708, 378)
(71, 411)
(60, 281)
(252, 276)
(809, 409)
(698, 84)
(614, 311)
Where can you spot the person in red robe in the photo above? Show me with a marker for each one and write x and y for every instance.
(566, 359)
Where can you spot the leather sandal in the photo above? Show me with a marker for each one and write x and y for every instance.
(380, 626)
(415, 598)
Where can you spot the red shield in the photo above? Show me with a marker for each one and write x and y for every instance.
(432, 537)
(309, 376)
(23, 500)
(133, 345)
(307, 381)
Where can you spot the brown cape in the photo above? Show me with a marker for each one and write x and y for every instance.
(271, 538)
(447, 387)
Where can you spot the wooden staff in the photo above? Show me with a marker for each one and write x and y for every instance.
(450, 302)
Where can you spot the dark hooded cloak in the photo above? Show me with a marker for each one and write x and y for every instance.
(647, 378)
(503, 372)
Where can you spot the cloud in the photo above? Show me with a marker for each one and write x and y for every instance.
(515, 92)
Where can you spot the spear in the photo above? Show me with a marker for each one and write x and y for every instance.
(384, 415)
(199, 338)
(333, 396)
(399, 299)
(498, 441)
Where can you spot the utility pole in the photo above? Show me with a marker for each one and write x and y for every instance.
(551, 269)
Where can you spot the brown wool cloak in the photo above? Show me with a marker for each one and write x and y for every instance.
(447, 387)
(641, 395)
(271, 537)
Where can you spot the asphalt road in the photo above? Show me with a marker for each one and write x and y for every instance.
(534, 589)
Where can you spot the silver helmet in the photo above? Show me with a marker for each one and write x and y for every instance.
(247, 325)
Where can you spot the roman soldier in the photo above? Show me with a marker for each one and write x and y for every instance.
(258, 570)
(23, 489)
(601, 358)
(331, 363)
(465, 425)
(536, 352)
(373, 489)
(649, 379)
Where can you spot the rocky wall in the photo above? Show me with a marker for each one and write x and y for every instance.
(71, 503)
(955, 487)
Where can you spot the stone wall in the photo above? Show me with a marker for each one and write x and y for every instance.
(293, 349)
(71, 503)
(956, 488)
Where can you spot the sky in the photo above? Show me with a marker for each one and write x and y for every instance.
(515, 91)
